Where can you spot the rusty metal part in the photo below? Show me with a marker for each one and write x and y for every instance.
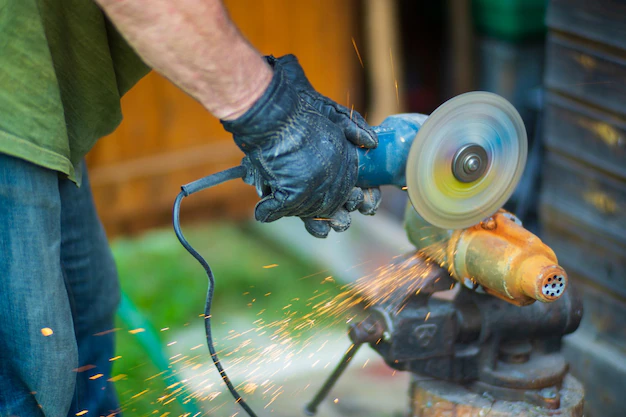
(442, 399)
(498, 254)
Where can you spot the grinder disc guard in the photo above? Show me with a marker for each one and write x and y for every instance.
(466, 160)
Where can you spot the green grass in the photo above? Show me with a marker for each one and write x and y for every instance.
(169, 287)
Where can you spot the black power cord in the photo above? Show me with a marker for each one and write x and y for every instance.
(201, 184)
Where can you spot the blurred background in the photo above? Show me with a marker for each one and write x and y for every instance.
(562, 63)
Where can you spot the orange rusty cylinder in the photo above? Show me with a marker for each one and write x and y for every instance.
(498, 254)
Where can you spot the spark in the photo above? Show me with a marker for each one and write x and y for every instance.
(139, 394)
(165, 329)
(46, 331)
(395, 80)
(336, 400)
(82, 413)
(270, 266)
(292, 333)
(117, 378)
(135, 331)
(250, 387)
(357, 52)
(96, 376)
(427, 316)
(274, 397)
(115, 358)
(154, 376)
(106, 332)
(84, 368)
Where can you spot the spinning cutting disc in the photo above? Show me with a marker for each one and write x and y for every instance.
(466, 160)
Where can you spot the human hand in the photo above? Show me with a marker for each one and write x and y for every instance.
(354, 126)
(303, 156)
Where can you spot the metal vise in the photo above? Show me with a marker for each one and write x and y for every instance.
(471, 347)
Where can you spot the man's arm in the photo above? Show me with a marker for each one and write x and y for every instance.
(195, 45)
(301, 143)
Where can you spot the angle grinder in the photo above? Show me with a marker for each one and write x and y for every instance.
(459, 165)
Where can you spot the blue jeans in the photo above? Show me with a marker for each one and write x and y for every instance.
(56, 273)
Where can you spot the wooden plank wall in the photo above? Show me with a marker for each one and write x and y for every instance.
(583, 200)
(167, 139)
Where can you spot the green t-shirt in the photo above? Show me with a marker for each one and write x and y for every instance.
(63, 70)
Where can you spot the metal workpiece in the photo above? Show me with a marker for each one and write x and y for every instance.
(497, 255)
(509, 262)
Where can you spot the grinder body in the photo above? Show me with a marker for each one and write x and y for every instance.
(386, 165)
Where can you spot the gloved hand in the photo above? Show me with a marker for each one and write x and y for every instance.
(351, 122)
(304, 157)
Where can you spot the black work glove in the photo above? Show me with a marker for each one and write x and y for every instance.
(303, 157)
(351, 122)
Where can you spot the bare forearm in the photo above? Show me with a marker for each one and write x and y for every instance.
(196, 46)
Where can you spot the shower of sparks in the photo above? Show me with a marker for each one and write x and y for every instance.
(290, 340)
(357, 52)
(46, 331)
